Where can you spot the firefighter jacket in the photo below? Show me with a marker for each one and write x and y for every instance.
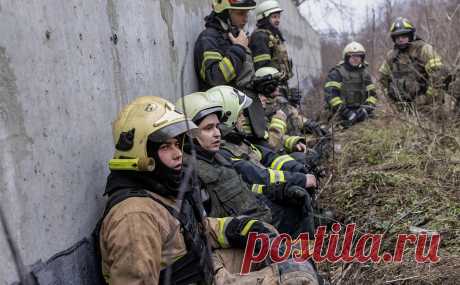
(415, 71)
(294, 120)
(349, 86)
(245, 160)
(241, 148)
(275, 136)
(219, 62)
(140, 237)
(269, 49)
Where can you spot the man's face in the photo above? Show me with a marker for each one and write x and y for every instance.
(170, 154)
(240, 122)
(355, 59)
(263, 100)
(275, 19)
(239, 18)
(401, 40)
(209, 137)
(277, 92)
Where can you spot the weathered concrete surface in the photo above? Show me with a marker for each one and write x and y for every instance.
(66, 68)
(303, 45)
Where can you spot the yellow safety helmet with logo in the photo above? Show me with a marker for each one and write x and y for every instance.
(221, 5)
(266, 8)
(147, 118)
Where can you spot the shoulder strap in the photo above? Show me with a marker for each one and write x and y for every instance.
(122, 195)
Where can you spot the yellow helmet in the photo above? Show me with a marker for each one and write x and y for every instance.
(353, 48)
(266, 8)
(147, 118)
(198, 106)
(221, 5)
(232, 100)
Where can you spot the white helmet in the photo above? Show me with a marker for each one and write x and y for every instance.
(266, 8)
(353, 48)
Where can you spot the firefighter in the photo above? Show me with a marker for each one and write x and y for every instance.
(412, 73)
(267, 42)
(146, 238)
(222, 55)
(349, 89)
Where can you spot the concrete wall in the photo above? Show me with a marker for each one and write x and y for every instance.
(66, 68)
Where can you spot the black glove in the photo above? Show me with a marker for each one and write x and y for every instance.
(361, 114)
(281, 193)
(349, 116)
(314, 128)
(235, 234)
(369, 108)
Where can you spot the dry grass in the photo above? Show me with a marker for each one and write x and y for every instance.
(391, 173)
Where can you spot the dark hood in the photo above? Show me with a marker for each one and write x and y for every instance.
(118, 180)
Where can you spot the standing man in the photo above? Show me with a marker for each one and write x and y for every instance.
(412, 70)
(267, 42)
(349, 89)
(222, 55)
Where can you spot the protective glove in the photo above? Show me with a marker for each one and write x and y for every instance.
(314, 128)
(349, 116)
(238, 229)
(281, 193)
(361, 114)
(369, 108)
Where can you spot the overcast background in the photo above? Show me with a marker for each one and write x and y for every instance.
(324, 15)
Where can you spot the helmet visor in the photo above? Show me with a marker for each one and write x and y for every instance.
(243, 100)
(174, 130)
(202, 114)
(242, 4)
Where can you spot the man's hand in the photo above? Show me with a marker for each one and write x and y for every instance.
(280, 115)
(311, 181)
(301, 147)
(241, 39)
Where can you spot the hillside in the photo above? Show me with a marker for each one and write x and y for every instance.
(397, 174)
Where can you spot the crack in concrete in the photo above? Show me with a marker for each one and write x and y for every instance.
(118, 79)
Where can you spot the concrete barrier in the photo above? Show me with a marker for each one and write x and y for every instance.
(66, 68)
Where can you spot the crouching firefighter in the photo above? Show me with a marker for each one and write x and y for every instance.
(349, 89)
(154, 229)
